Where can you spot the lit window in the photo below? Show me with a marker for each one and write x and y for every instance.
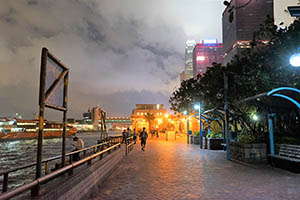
(200, 58)
(142, 113)
(138, 113)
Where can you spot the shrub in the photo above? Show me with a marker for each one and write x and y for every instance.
(215, 135)
(246, 139)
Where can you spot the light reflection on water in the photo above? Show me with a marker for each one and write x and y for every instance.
(15, 154)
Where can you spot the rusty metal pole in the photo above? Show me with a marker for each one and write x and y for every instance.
(35, 191)
(63, 153)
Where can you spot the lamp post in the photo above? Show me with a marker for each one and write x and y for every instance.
(226, 115)
(187, 126)
(198, 107)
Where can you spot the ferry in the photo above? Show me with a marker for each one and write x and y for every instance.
(28, 129)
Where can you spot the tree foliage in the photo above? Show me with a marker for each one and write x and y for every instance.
(258, 69)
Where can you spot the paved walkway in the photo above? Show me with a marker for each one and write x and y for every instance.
(170, 170)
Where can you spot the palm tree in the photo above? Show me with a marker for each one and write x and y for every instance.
(149, 118)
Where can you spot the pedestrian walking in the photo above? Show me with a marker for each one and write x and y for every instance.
(79, 144)
(134, 136)
(143, 138)
(128, 132)
(124, 134)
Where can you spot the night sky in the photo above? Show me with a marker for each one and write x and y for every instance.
(120, 52)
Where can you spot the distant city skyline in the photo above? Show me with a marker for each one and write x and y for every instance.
(120, 53)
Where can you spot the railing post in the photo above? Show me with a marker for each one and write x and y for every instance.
(89, 162)
(5, 182)
(70, 160)
(47, 167)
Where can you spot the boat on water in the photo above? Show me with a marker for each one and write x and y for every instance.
(28, 129)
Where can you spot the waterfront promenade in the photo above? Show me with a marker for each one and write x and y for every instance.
(175, 170)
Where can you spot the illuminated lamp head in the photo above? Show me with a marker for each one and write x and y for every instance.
(295, 59)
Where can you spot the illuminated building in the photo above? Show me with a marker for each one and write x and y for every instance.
(139, 120)
(281, 14)
(118, 123)
(238, 34)
(204, 54)
(188, 65)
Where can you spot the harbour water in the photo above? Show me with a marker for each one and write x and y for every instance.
(19, 153)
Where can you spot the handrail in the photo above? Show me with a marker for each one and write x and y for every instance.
(46, 161)
(53, 175)
(129, 145)
(52, 158)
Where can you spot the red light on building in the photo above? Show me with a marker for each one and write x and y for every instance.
(204, 54)
(200, 58)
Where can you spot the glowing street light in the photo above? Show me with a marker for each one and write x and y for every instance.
(198, 107)
(295, 59)
(255, 117)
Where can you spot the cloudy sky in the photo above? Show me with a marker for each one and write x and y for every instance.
(120, 52)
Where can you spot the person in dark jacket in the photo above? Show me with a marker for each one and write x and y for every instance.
(143, 138)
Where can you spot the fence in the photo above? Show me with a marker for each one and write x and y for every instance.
(89, 154)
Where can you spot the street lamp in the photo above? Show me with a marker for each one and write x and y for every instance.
(198, 107)
(295, 59)
(187, 126)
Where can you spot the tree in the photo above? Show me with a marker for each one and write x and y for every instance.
(149, 117)
(256, 70)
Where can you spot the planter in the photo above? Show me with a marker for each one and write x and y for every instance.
(250, 153)
(191, 139)
(214, 143)
(196, 139)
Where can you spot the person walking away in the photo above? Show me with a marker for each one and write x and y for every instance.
(129, 134)
(143, 138)
(134, 136)
(124, 134)
(79, 144)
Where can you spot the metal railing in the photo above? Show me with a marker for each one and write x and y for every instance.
(129, 145)
(55, 174)
(112, 140)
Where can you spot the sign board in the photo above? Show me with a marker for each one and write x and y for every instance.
(54, 76)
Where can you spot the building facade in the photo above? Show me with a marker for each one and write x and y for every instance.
(206, 53)
(139, 116)
(188, 64)
(281, 14)
(238, 34)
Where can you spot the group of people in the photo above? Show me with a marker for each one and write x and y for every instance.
(143, 136)
(79, 144)
(127, 133)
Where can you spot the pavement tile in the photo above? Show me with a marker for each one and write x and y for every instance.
(175, 170)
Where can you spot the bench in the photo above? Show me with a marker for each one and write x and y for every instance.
(288, 158)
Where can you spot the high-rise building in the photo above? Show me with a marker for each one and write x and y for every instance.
(188, 65)
(206, 53)
(247, 18)
(281, 14)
